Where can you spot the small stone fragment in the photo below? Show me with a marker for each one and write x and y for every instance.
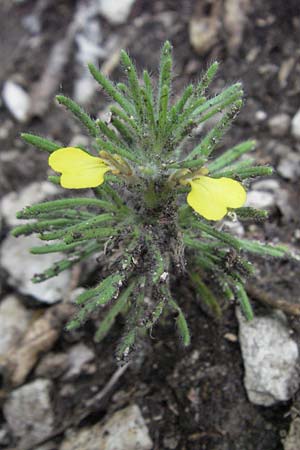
(125, 430)
(235, 18)
(279, 125)
(79, 357)
(14, 320)
(204, 33)
(29, 412)
(39, 339)
(13, 202)
(270, 358)
(289, 166)
(260, 199)
(53, 365)
(21, 266)
(296, 125)
(16, 100)
(293, 438)
(115, 12)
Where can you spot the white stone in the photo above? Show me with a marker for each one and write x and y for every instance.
(270, 358)
(29, 412)
(16, 100)
(260, 116)
(14, 320)
(125, 430)
(260, 199)
(279, 124)
(22, 265)
(116, 12)
(296, 125)
(13, 202)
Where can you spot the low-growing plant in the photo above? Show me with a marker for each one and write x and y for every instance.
(155, 202)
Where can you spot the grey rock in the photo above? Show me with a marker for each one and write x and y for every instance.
(14, 320)
(4, 436)
(270, 358)
(292, 441)
(270, 185)
(52, 365)
(22, 265)
(115, 12)
(13, 202)
(79, 358)
(296, 125)
(125, 430)
(260, 199)
(279, 124)
(235, 227)
(16, 100)
(29, 412)
(289, 166)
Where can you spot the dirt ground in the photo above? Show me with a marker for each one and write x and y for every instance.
(190, 398)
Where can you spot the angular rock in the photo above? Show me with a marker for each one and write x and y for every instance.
(289, 166)
(14, 320)
(22, 265)
(29, 412)
(292, 441)
(53, 365)
(79, 358)
(279, 124)
(13, 202)
(16, 100)
(125, 430)
(270, 359)
(115, 12)
(296, 125)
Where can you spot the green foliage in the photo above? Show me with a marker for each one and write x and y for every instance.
(143, 233)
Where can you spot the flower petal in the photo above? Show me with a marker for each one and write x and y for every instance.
(79, 169)
(211, 197)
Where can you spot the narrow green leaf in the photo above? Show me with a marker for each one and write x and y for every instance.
(79, 113)
(40, 142)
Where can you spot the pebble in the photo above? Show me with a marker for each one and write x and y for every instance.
(79, 358)
(279, 124)
(28, 411)
(125, 430)
(21, 265)
(270, 358)
(235, 227)
(289, 166)
(292, 440)
(115, 12)
(53, 365)
(266, 185)
(204, 33)
(13, 202)
(296, 125)
(16, 100)
(260, 199)
(14, 319)
(260, 116)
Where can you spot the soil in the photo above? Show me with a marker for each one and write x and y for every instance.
(191, 398)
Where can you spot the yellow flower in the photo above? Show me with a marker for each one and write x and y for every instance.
(211, 197)
(79, 169)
